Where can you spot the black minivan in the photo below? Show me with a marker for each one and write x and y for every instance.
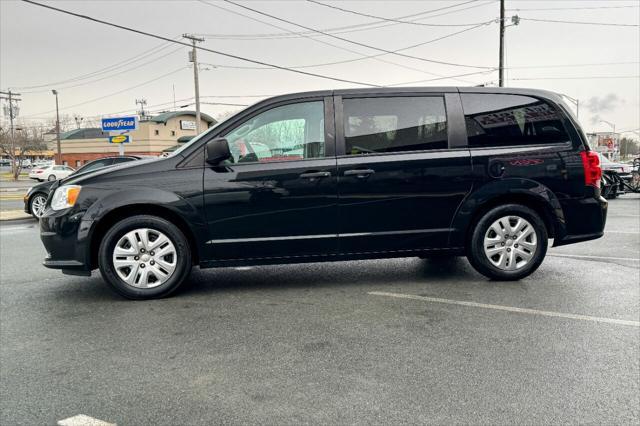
(489, 173)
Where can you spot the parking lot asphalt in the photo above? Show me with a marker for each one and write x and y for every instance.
(384, 342)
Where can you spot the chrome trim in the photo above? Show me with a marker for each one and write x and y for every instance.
(308, 237)
(284, 238)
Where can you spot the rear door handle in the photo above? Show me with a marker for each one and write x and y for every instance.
(360, 173)
(315, 175)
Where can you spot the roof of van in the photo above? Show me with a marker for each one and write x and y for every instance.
(385, 90)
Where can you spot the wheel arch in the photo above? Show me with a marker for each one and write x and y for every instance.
(32, 196)
(122, 212)
(528, 193)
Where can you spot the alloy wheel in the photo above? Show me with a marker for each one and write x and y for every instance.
(38, 205)
(144, 258)
(510, 243)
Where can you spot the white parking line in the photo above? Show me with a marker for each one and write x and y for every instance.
(586, 256)
(507, 308)
(83, 420)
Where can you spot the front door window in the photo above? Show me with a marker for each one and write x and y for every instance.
(285, 133)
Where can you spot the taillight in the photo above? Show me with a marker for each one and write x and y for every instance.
(592, 169)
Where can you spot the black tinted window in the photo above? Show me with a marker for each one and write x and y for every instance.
(500, 120)
(122, 160)
(374, 125)
(97, 164)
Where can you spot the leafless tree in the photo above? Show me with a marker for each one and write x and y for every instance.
(25, 140)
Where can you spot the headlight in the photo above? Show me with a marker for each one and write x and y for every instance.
(65, 197)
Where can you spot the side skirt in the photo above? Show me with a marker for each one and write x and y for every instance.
(455, 251)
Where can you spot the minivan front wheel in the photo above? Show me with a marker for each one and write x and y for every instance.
(144, 257)
(508, 242)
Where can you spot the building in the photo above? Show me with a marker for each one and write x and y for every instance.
(153, 135)
(606, 143)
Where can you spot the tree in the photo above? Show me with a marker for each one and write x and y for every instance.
(24, 140)
(629, 147)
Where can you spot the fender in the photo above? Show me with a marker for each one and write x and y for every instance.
(113, 199)
(505, 191)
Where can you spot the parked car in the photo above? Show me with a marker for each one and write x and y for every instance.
(42, 164)
(623, 170)
(489, 173)
(51, 173)
(36, 197)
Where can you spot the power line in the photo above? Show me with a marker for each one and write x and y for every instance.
(597, 77)
(362, 56)
(114, 93)
(229, 55)
(112, 75)
(346, 61)
(399, 21)
(518, 9)
(350, 28)
(352, 41)
(440, 78)
(609, 24)
(593, 64)
(111, 67)
(33, 116)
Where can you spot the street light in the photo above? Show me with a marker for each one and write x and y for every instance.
(613, 126)
(59, 161)
(576, 102)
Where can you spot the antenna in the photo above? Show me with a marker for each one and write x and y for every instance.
(142, 102)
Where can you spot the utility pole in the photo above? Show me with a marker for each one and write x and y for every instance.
(9, 96)
(59, 155)
(501, 63)
(142, 102)
(194, 59)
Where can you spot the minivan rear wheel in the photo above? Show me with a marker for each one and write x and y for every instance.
(509, 242)
(144, 257)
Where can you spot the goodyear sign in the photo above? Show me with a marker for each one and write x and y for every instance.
(120, 123)
(120, 139)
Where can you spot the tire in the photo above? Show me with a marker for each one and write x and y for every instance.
(51, 178)
(36, 204)
(135, 228)
(519, 260)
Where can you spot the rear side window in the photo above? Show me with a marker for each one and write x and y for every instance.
(122, 160)
(378, 125)
(503, 120)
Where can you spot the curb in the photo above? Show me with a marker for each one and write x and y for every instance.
(19, 221)
(11, 215)
(13, 189)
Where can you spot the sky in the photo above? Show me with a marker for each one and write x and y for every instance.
(100, 70)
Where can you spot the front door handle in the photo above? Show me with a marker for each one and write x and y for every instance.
(360, 173)
(315, 175)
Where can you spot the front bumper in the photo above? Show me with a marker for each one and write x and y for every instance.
(65, 237)
(584, 218)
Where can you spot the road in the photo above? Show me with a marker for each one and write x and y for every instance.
(384, 342)
(11, 192)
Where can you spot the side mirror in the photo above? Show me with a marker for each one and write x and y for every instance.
(217, 151)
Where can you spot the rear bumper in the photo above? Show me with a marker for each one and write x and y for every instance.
(65, 238)
(585, 220)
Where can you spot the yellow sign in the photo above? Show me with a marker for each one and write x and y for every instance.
(120, 139)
